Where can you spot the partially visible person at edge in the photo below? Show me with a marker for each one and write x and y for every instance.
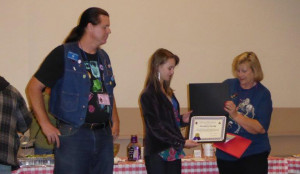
(249, 112)
(14, 117)
(164, 142)
(81, 79)
(41, 144)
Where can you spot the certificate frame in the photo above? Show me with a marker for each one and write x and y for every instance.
(208, 129)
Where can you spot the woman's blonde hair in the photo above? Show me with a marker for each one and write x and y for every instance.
(251, 59)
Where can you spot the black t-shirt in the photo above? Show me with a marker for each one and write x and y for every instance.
(52, 69)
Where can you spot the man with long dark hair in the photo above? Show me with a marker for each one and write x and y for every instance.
(81, 79)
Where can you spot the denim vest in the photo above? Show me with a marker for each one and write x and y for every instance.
(70, 95)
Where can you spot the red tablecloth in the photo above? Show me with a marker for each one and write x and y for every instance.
(34, 170)
(130, 168)
(276, 166)
(293, 165)
(203, 167)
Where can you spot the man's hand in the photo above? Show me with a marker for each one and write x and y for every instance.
(51, 133)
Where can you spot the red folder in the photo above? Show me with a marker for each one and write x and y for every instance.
(235, 147)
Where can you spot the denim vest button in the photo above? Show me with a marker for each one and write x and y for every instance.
(83, 106)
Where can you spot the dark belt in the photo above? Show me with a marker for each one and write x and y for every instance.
(94, 126)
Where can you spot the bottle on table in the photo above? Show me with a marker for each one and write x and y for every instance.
(134, 149)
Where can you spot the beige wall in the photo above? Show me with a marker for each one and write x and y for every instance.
(206, 34)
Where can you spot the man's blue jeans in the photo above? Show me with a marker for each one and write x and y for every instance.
(5, 169)
(84, 151)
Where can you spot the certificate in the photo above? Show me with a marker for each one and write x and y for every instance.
(204, 129)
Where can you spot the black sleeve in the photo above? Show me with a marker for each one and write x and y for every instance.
(52, 68)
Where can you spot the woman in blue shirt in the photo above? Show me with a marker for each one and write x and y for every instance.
(249, 110)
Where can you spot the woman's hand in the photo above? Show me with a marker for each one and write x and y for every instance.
(231, 108)
(186, 117)
(250, 125)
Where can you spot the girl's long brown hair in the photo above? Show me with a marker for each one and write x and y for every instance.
(158, 58)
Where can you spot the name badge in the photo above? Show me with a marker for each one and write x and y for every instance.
(72, 56)
(103, 99)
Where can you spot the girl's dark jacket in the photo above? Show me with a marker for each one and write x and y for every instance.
(162, 131)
